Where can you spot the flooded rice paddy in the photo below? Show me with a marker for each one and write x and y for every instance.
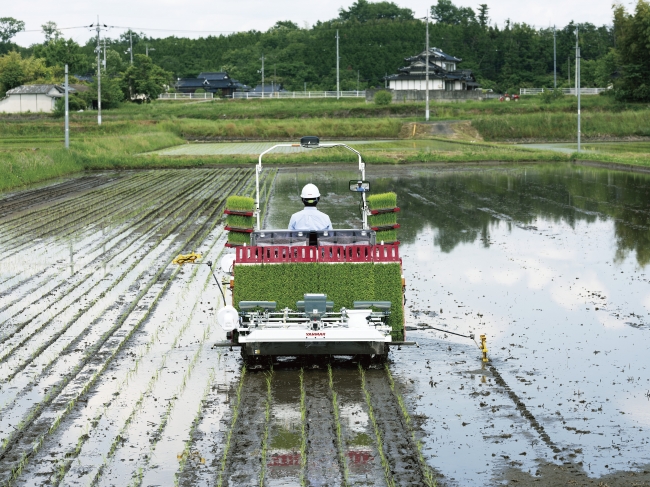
(222, 148)
(630, 147)
(108, 375)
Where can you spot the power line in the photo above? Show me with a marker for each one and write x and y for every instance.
(58, 28)
(178, 30)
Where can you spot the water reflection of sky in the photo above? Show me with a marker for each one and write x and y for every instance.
(549, 262)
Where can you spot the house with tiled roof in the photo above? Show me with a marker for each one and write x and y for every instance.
(444, 73)
(211, 83)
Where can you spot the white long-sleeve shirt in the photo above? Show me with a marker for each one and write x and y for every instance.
(310, 219)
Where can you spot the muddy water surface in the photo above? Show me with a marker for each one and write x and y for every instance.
(550, 263)
(108, 375)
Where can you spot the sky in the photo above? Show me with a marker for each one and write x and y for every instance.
(189, 19)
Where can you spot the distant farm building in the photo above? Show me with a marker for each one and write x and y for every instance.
(32, 98)
(211, 83)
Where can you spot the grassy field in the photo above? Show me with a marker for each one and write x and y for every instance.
(31, 146)
(220, 109)
(562, 125)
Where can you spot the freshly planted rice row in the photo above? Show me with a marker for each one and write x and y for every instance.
(107, 377)
(204, 213)
(152, 357)
(106, 290)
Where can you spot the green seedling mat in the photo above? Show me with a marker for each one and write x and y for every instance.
(379, 202)
(239, 203)
(343, 283)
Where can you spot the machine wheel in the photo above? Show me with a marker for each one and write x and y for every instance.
(381, 358)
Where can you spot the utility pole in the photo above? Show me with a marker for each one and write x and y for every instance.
(426, 110)
(263, 76)
(153, 49)
(554, 62)
(338, 84)
(131, 44)
(104, 53)
(67, 116)
(568, 60)
(357, 80)
(99, 77)
(578, 83)
(274, 81)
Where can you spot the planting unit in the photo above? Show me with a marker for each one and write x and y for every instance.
(333, 292)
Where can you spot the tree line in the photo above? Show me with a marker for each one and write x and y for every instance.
(374, 40)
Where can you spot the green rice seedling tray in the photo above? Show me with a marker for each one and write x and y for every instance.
(239, 220)
(343, 283)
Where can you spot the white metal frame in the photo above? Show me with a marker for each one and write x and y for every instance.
(250, 95)
(566, 91)
(185, 96)
(362, 169)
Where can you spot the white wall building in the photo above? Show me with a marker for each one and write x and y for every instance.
(443, 74)
(31, 98)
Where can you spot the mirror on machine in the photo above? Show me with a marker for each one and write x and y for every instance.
(309, 141)
(359, 186)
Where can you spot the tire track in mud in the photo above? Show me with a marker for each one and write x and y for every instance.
(399, 450)
(243, 464)
(93, 352)
(323, 466)
(362, 458)
(209, 433)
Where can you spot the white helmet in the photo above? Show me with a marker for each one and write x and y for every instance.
(310, 191)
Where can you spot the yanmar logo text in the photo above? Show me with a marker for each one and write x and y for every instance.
(316, 334)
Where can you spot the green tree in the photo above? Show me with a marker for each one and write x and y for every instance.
(114, 64)
(143, 77)
(59, 52)
(51, 32)
(285, 24)
(375, 44)
(9, 27)
(363, 11)
(483, 15)
(383, 98)
(112, 93)
(12, 75)
(633, 48)
(15, 71)
(445, 12)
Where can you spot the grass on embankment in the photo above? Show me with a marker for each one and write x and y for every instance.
(223, 109)
(200, 129)
(21, 167)
(563, 126)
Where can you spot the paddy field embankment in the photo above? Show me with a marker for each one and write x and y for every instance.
(31, 145)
